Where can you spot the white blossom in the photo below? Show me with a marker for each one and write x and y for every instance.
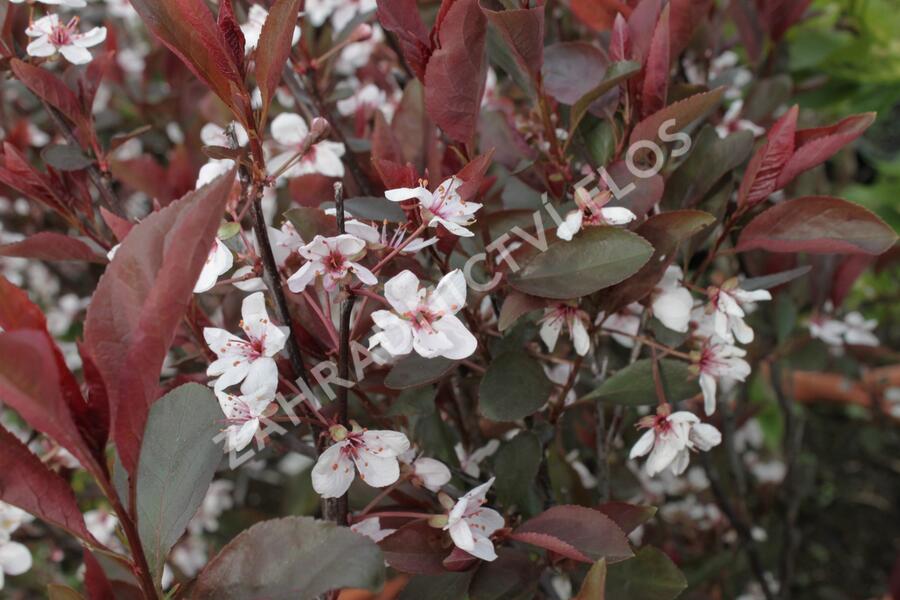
(244, 411)
(859, 330)
(443, 206)
(256, 18)
(471, 525)
(623, 325)
(65, 3)
(669, 439)
(52, 36)
(469, 462)
(218, 262)
(371, 528)
(372, 453)
(424, 321)
(715, 361)
(729, 304)
(427, 472)
(289, 132)
(332, 259)
(249, 360)
(672, 302)
(592, 211)
(573, 319)
(732, 122)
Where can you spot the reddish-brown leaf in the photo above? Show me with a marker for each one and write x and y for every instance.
(523, 31)
(781, 15)
(231, 33)
(35, 383)
(579, 533)
(599, 15)
(627, 516)
(846, 274)
(50, 88)
(619, 44)
(572, 69)
(818, 225)
(683, 112)
(656, 69)
(401, 18)
(119, 226)
(47, 245)
(641, 24)
(26, 482)
(684, 18)
(815, 146)
(140, 301)
(416, 548)
(274, 47)
(456, 71)
(187, 28)
(761, 177)
(473, 175)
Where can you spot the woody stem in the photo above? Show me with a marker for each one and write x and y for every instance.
(336, 509)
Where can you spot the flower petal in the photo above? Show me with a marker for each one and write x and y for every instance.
(333, 473)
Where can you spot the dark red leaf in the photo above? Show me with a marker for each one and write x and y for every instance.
(572, 69)
(579, 533)
(139, 303)
(749, 26)
(627, 516)
(473, 175)
(459, 560)
(47, 245)
(231, 33)
(815, 146)
(51, 89)
(599, 14)
(401, 17)
(781, 15)
(619, 43)
(641, 24)
(17, 311)
(684, 112)
(35, 383)
(684, 18)
(26, 482)
(456, 71)
(119, 226)
(656, 69)
(762, 174)
(385, 145)
(274, 48)
(818, 225)
(187, 28)
(523, 31)
(96, 583)
(846, 274)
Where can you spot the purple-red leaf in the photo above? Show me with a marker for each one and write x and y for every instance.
(684, 18)
(50, 88)
(37, 385)
(231, 33)
(456, 71)
(619, 43)
(274, 48)
(187, 28)
(523, 31)
(656, 69)
(818, 225)
(815, 146)
(576, 532)
(140, 301)
(762, 174)
(47, 245)
(401, 18)
(26, 482)
(683, 113)
(627, 516)
(572, 69)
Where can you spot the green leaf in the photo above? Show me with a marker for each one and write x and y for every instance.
(513, 576)
(375, 208)
(601, 142)
(711, 158)
(596, 258)
(177, 462)
(615, 74)
(634, 385)
(65, 157)
(294, 558)
(228, 230)
(451, 586)
(56, 591)
(650, 575)
(415, 370)
(594, 585)
(513, 387)
(413, 402)
(516, 464)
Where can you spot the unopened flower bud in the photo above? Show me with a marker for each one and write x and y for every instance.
(338, 433)
(438, 521)
(446, 501)
(362, 32)
(319, 128)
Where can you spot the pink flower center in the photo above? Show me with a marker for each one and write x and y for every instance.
(61, 35)
(335, 262)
